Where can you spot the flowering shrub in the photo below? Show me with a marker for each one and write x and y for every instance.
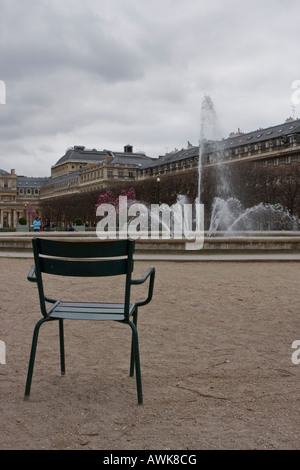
(30, 212)
(111, 198)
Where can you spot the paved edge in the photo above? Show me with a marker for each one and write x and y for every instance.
(188, 257)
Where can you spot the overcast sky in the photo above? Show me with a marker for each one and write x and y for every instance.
(106, 73)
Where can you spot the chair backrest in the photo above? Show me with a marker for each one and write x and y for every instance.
(84, 259)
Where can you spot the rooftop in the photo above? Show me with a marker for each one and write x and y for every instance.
(31, 181)
(289, 127)
(79, 153)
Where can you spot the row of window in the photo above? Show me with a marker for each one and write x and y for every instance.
(92, 175)
(260, 146)
(287, 159)
(187, 163)
(121, 174)
(29, 191)
(110, 173)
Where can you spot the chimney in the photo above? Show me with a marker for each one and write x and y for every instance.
(128, 149)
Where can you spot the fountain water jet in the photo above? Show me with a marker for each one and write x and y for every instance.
(208, 134)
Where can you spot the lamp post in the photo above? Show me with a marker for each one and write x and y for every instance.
(158, 190)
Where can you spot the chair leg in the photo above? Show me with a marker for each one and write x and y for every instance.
(62, 347)
(136, 355)
(131, 373)
(32, 356)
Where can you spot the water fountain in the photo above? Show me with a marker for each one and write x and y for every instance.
(232, 219)
(228, 216)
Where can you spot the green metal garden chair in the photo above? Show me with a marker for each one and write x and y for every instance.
(87, 259)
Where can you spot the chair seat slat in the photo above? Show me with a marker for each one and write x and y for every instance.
(87, 316)
(89, 310)
(89, 304)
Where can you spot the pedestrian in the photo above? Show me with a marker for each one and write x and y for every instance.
(37, 224)
(47, 225)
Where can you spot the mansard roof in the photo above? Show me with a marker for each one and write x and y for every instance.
(176, 155)
(79, 153)
(290, 127)
(286, 129)
(62, 178)
(31, 181)
(131, 159)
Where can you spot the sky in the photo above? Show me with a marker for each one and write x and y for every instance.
(107, 73)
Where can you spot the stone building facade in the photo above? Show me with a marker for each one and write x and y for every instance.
(82, 170)
(274, 146)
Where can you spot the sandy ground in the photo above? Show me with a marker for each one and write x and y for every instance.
(216, 355)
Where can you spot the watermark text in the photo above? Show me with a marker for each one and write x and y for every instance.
(296, 354)
(296, 93)
(2, 352)
(137, 221)
(2, 92)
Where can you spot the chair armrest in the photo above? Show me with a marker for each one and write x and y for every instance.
(32, 278)
(150, 272)
(31, 274)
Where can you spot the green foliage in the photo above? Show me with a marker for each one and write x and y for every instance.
(22, 221)
(78, 221)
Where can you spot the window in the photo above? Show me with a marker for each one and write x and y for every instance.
(288, 159)
(276, 161)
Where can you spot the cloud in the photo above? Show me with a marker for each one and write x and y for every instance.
(106, 73)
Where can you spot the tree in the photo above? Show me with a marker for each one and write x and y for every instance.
(289, 189)
(30, 213)
(110, 197)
